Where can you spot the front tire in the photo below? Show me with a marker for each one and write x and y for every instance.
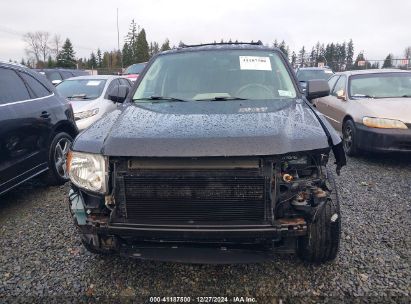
(57, 156)
(350, 138)
(323, 240)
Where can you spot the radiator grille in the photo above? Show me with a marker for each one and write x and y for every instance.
(195, 197)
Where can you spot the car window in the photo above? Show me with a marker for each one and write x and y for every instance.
(53, 75)
(135, 68)
(380, 85)
(66, 74)
(12, 87)
(305, 75)
(332, 81)
(38, 89)
(206, 75)
(340, 85)
(81, 88)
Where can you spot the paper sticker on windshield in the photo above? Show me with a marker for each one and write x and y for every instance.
(283, 93)
(93, 83)
(255, 63)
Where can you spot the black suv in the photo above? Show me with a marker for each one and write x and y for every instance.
(311, 73)
(215, 156)
(36, 128)
(55, 76)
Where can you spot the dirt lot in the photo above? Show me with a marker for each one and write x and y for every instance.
(42, 256)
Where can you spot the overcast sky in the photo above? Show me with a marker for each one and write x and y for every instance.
(378, 27)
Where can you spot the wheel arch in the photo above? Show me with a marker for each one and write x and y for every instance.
(346, 118)
(64, 126)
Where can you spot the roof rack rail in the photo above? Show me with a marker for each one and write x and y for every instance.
(221, 43)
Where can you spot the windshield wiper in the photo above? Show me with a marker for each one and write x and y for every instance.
(363, 96)
(222, 98)
(162, 98)
(79, 96)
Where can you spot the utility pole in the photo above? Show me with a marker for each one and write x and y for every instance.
(118, 44)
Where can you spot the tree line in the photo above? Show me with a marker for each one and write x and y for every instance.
(44, 50)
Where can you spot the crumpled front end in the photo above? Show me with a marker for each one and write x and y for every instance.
(202, 209)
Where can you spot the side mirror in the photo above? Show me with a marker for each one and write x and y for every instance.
(341, 95)
(317, 88)
(56, 82)
(118, 93)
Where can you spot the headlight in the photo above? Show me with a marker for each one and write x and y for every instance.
(383, 123)
(85, 114)
(88, 171)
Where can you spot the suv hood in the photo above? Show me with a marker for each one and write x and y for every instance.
(209, 128)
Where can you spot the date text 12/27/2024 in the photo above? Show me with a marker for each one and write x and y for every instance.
(238, 299)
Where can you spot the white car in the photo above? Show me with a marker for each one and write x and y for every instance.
(89, 96)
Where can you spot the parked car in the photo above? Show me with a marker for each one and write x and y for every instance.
(55, 76)
(306, 74)
(133, 71)
(371, 108)
(36, 128)
(214, 155)
(89, 96)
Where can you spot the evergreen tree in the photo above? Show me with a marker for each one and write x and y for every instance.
(22, 62)
(142, 50)
(132, 34)
(407, 52)
(106, 63)
(92, 62)
(301, 57)
(330, 55)
(154, 48)
(388, 62)
(50, 62)
(127, 55)
(66, 58)
(360, 58)
(117, 59)
(317, 50)
(284, 48)
(349, 55)
(341, 55)
(293, 59)
(375, 65)
(99, 58)
(313, 57)
(165, 46)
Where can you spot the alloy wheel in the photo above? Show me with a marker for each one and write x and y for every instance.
(347, 138)
(60, 156)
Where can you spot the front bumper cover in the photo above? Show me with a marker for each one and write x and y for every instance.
(383, 140)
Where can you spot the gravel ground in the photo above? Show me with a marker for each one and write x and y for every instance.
(42, 258)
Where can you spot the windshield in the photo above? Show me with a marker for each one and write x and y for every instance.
(305, 75)
(81, 88)
(216, 75)
(135, 68)
(381, 85)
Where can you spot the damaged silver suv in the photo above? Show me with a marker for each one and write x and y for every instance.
(215, 156)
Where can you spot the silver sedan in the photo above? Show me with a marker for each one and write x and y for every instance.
(89, 96)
